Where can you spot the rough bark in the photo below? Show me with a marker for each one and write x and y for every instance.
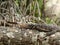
(49, 29)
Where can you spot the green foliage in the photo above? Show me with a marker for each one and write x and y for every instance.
(16, 2)
(49, 21)
(40, 3)
(34, 8)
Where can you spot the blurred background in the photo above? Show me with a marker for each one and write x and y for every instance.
(31, 11)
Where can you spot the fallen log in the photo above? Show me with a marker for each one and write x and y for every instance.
(16, 40)
(49, 29)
